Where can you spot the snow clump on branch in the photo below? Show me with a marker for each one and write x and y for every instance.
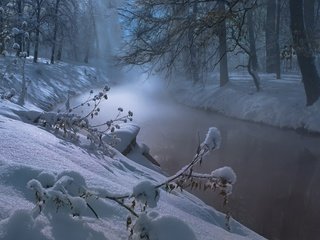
(212, 140)
(146, 193)
(225, 173)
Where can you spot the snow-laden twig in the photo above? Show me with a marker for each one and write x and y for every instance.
(211, 143)
(73, 126)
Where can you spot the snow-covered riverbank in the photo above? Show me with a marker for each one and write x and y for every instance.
(280, 103)
(30, 156)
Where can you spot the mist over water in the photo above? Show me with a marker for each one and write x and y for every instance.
(278, 171)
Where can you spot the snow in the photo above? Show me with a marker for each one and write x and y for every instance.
(125, 135)
(280, 103)
(162, 228)
(213, 139)
(15, 31)
(48, 183)
(146, 193)
(28, 152)
(225, 173)
(49, 84)
(15, 46)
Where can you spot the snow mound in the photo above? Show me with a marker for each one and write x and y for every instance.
(162, 228)
(225, 173)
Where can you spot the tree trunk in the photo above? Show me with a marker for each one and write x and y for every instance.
(86, 57)
(224, 75)
(306, 58)
(277, 46)
(23, 94)
(60, 45)
(55, 31)
(36, 45)
(272, 53)
(2, 42)
(19, 37)
(28, 45)
(309, 17)
(192, 48)
(252, 42)
(59, 53)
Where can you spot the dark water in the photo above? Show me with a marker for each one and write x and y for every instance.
(277, 193)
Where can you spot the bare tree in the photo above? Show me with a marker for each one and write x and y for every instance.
(38, 7)
(224, 74)
(55, 30)
(252, 40)
(272, 37)
(163, 35)
(305, 53)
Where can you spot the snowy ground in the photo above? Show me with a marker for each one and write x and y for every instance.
(35, 160)
(280, 103)
(48, 84)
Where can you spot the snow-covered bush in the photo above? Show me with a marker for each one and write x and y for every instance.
(65, 193)
(77, 128)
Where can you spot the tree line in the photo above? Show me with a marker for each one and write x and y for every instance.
(55, 29)
(189, 38)
(192, 37)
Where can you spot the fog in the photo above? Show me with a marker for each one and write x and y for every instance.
(278, 171)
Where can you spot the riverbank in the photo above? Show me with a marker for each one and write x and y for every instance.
(280, 103)
(40, 174)
(48, 85)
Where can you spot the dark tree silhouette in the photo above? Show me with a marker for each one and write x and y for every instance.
(305, 54)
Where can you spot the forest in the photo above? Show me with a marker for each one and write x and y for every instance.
(159, 119)
(192, 38)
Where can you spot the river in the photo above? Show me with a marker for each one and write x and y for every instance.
(277, 193)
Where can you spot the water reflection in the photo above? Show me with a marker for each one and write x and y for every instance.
(277, 191)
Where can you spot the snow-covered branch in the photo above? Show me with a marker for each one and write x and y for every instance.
(69, 193)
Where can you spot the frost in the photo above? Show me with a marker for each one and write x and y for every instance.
(146, 193)
(225, 173)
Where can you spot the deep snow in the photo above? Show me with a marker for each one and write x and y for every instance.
(33, 159)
